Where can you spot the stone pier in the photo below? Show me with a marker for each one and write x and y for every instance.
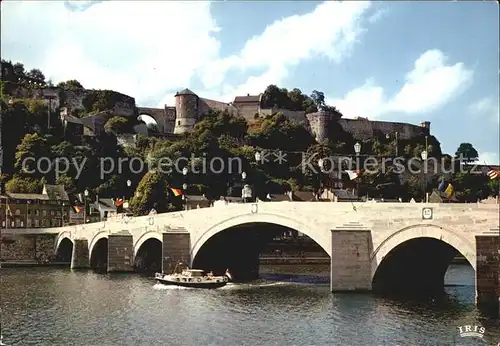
(488, 274)
(120, 252)
(350, 260)
(80, 256)
(176, 247)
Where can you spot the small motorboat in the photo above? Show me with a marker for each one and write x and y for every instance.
(194, 278)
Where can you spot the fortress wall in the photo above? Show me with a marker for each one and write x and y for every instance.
(39, 94)
(205, 105)
(365, 129)
(296, 116)
(248, 110)
(318, 123)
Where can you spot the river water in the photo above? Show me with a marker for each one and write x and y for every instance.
(42, 306)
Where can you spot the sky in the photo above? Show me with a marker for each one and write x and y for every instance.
(389, 61)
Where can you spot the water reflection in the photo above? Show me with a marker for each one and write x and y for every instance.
(61, 307)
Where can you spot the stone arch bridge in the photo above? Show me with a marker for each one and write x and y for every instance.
(370, 244)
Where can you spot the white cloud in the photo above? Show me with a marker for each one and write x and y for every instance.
(489, 158)
(150, 50)
(331, 30)
(488, 107)
(431, 84)
(133, 47)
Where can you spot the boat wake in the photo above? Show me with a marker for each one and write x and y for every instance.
(229, 286)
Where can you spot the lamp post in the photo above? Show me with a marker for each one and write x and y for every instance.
(357, 150)
(423, 154)
(185, 172)
(85, 194)
(244, 190)
(258, 157)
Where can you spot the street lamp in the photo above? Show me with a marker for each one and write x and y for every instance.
(357, 150)
(243, 176)
(86, 194)
(129, 183)
(11, 102)
(258, 157)
(424, 154)
(184, 171)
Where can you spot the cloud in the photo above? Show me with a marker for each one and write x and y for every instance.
(136, 48)
(431, 84)
(486, 106)
(149, 51)
(330, 31)
(490, 158)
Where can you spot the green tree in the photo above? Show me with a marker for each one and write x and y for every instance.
(71, 84)
(154, 191)
(19, 184)
(467, 152)
(36, 74)
(117, 126)
(19, 69)
(32, 149)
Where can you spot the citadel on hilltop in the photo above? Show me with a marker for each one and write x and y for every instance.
(77, 111)
(190, 108)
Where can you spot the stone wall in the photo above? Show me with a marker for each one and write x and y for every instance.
(365, 129)
(176, 247)
(120, 252)
(27, 247)
(39, 94)
(350, 260)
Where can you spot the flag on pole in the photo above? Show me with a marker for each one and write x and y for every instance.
(119, 202)
(353, 174)
(176, 192)
(77, 209)
(493, 173)
(449, 191)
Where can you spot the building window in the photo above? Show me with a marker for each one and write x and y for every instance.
(44, 212)
(37, 223)
(29, 211)
(37, 212)
(58, 213)
(178, 122)
(22, 224)
(29, 223)
(52, 213)
(18, 212)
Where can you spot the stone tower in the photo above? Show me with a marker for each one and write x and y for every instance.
(318, 123)
(186, 109)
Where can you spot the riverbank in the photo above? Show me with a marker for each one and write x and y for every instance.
(265, 260)
(31, 264)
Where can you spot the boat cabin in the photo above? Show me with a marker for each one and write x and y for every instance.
(193, 272)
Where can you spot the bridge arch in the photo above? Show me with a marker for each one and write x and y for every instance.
(145, 237)
(98, 236)
(60, 237)
(417, 257)
(149, 120)
(321, 237)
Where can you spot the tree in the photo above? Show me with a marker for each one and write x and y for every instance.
(154, 191)
(36, 74)
(71, 84)
(32, 149)
(116, 126)
(19, 69)
(319, 99)
(467, 152)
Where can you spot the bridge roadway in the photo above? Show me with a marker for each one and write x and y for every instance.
(357, 237)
